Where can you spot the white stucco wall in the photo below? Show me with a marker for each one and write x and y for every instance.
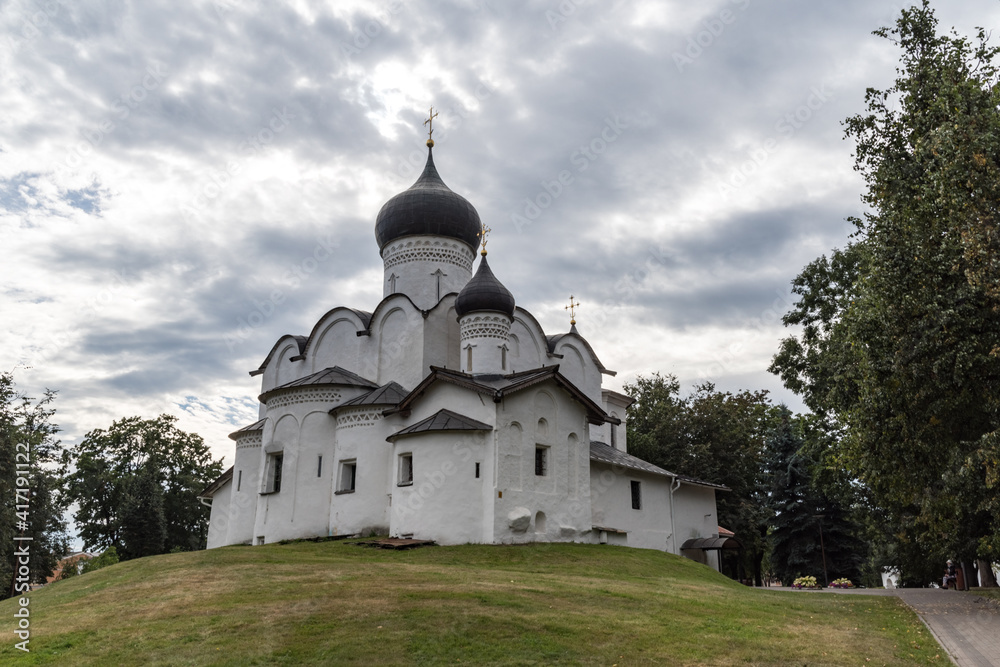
(245, 489)
(611, 501)
(219, 522)
(445, 501)
(360, 437)
(416, 261)
(542, 416)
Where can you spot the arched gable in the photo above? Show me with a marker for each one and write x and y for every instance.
(335, 342)
(278, 368)
(397, 332)
(531, 350)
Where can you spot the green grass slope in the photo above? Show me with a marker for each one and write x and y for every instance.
(339, 604)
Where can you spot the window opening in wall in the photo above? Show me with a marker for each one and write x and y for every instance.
(239, 479)
(348, 476)
(614, 436)
(405, 469)
(273, 479)
(319, 466)
(260, 540)
(541, 461)
(477, 469)
(503, 357)
(636, 495)
(468, 359)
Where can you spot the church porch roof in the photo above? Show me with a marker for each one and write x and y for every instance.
(605, 453)
(442, 420)
(256, 426)
(388, 394)
(217, 484)
(498, 386)
(334, 375)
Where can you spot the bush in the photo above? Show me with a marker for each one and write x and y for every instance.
(109, 557)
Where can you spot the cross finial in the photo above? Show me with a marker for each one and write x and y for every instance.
(430, 129)
(483, 233)
(572, 310)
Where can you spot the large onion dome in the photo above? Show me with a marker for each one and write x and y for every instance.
(428, 207)
(484, 292)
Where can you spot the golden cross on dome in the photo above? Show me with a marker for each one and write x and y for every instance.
(572, 310)
(430, 130)
(482, 238)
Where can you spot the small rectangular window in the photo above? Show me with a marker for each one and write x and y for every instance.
(272, 472)
(319, 466)
(260, 540)
(348, 476)
(405, 469)
(541, 461)
(614, 436)
(477, 469)
(239, 479)
(636, 495)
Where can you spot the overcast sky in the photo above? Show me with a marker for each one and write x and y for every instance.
(167, 169)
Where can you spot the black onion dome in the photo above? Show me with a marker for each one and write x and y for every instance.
(428, 207)
(484, 292)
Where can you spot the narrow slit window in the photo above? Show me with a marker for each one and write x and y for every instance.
(239, 479)
(477, 469)
(636, 495)
(319, 466)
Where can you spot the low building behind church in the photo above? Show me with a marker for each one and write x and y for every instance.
(445, 414)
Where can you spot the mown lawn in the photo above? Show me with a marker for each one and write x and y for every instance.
(335, 603)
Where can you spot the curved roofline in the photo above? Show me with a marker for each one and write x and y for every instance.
(301, 340)
(451, 238)
(364, 316)
(545, 339)
(552, 341)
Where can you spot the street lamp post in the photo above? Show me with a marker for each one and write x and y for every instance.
(822, 548)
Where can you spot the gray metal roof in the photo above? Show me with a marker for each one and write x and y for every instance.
(712, 543)
(608, 454)
(605, 453)
(328, 376)
(256, 426)
(217, 484)
(484, 292)
(387, 394)
(442, 420)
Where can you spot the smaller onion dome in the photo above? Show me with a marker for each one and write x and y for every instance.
(484, 292)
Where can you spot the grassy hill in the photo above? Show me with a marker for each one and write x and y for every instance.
(338, 604)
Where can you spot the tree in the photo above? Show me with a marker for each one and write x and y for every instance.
(33, 507)
(125, 478)
(814, 532)
(710, 435)
(901, 331)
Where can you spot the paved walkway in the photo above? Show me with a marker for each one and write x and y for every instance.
(965, 624)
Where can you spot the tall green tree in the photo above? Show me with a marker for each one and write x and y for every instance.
(901, 331)
(710, 435)
(123, 478)
(814, 529)
(29, 451)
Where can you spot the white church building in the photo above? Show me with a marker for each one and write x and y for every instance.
(446, 413)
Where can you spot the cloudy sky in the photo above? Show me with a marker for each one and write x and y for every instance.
(167, 169)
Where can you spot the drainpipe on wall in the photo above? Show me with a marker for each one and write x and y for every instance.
(676, 484)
